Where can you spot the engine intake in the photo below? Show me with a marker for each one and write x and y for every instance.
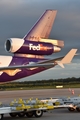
(8, 45)
(13, 44)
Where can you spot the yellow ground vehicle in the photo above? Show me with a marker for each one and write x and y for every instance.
(30, 107)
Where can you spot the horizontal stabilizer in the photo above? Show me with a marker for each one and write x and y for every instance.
(59, 43)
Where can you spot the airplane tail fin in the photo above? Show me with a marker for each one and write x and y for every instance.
(68, 58)
(42, 27)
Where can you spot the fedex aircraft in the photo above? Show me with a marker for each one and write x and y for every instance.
(29, 52)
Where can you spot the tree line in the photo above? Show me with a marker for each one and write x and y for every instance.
(51, 83)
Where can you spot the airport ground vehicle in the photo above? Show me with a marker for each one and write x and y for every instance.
(21, 108)
(73, 102)
(36, 107)
(29, 107)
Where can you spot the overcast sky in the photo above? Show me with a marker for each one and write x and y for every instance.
(18, 16)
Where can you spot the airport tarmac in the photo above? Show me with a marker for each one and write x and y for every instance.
(7, 96)
(56, 114)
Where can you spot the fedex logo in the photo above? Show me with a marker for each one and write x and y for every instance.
(34, 47)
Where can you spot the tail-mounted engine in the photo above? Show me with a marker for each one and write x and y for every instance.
(21, 46)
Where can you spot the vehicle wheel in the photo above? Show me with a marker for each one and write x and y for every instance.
(71, 109)
(78, 109)
(13, 114)
(29, 114)
(1, 116)
(38, 113)
(21, 114)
